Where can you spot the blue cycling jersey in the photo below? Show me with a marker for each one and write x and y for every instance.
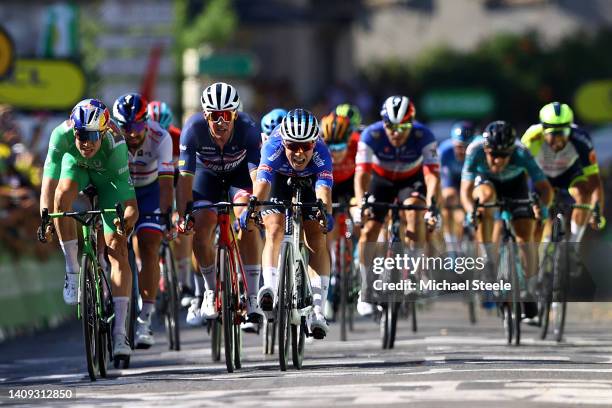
(520, 162)
(198, 149)
(274, 160)
(376, 153)
(450, 167)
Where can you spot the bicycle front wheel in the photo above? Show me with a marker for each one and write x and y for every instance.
(89, 316)
(228, 309)
(171, 315)
(285, 292)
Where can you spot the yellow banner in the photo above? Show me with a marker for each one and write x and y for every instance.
(7, 53)
(43, 84)
(593, 101)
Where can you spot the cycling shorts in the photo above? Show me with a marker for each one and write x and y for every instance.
(148, 202)
(282, 192)
(514, 188)
(569, 177)
(386, 191)
(207, 186)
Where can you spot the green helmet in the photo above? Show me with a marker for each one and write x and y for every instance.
(556, 114)
(352, 112)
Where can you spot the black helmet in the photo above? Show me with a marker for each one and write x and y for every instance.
(499, 136)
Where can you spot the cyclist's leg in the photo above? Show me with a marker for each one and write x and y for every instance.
(485, 192)
(206, 190)
(412, 192)
(581, 189)
(451, 216)
(249, 241)
(274, 222)
(149, 234)
(121, 273)
(318, 269)
(72, 180)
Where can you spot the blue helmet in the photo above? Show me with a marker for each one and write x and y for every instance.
(161, 113)
(90, 118)
(462, 132)
(272, 119)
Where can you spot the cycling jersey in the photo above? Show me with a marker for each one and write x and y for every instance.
(108, 169)
(577, 151)
(198, 149)
(346, 169)
(274, 160)
(450, 170)
(520, 162)
(153, 158)
(418, 153)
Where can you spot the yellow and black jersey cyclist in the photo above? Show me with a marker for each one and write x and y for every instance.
(565, 153)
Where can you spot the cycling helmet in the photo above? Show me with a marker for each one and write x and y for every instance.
(556, 114)
(130, 108)
(352, 112)
(335, 128)
(219, 97)
(462, 132)
(161, 113)
(397, 109)
(90, 115)
(272, 119)
(499, 136)
(299, 126)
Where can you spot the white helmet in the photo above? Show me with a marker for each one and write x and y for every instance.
(219, 97)
(397, 109)
(299, 125)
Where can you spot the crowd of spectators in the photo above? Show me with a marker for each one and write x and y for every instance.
(20, 177)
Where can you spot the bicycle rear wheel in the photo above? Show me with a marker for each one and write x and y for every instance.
(285, 292)
(298, 331)
(215, 338)
(506, 315)
(269, 336)
(171, 315)
(104, 328)
(228, 309)
(89, 317)
(560, 288)
(516, 290)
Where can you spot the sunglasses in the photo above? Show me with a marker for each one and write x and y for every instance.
(297, 146)
(337, 147)
(402, 127)
(226, 115)
(133, 127)
(558, 131)
(499, 153)
(88, 135)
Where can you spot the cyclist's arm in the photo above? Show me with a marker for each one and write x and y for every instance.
(52, 167)
(467, 191)
(165, 170)
(540, 181)
(324, 194)
(431, 169)
(118, 164)
(363, 169)
(187, 167)
(545, 191)
(590, 167)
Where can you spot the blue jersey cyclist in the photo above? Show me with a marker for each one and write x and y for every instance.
(452, 156)
(497, 167)
(219, 149)
(271, 120)
(294, 149)
(397, 158)
(152, 172)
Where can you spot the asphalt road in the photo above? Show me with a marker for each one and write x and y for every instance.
(448, 362)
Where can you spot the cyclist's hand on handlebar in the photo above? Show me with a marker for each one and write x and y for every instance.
(184, 227)
(330, 222)
(127, 224)
(171, 233)
(597, 221)
(46, 235)
(432, 219)
(246, 218)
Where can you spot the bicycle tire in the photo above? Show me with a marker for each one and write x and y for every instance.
(507, 321)
(344, 276)
(215, 339)
(516, 299)
(298, 331)
(104, 328)
(393, 324)
(285, 293)
(89, 318)
(413, 314)
(227, 309)
(237, 346)
(560, 286)
(269, 335)
(472, 309)
(384, 326)
(544, 317)
(172, 304)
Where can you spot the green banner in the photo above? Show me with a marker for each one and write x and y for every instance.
(457, 103)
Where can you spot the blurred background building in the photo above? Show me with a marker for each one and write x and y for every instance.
(458, 59)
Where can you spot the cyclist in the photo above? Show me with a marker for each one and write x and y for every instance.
(565, 153)
(271, 120)
(396, 158)
(352, 112)
(497, 167)
(152, 172)
(452, 156)
(219, 143)
(161, 113)
(88, 149)
(294, 149)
